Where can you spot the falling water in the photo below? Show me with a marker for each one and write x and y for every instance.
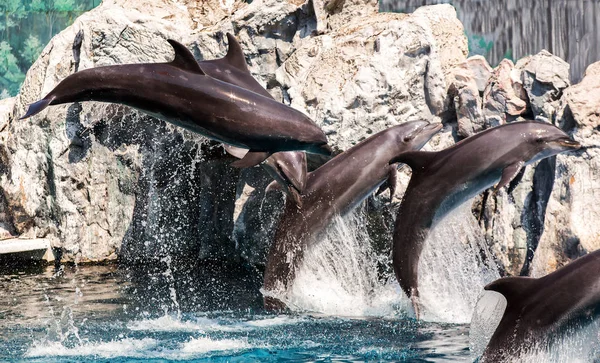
(339, 275)
(455, 265)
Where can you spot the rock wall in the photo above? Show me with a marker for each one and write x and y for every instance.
(101, 181)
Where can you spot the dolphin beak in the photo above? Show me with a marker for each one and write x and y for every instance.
(431, 129)
(434, 128)
(570, 144)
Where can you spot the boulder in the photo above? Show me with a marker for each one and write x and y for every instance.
(543, 76)
(502, 98)
(571, 227)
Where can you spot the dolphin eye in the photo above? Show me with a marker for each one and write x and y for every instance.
(408, 138)
(539, 139)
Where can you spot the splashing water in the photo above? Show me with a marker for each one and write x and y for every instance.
(454, 267)
(486, 317)
(338, 275)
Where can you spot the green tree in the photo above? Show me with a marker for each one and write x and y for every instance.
(13, 10)
(10, 74)
(31, 49)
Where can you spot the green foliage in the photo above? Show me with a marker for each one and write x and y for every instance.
(10, 74)
(37, 6)
(64, 6)
(25, 27)
(31, 49)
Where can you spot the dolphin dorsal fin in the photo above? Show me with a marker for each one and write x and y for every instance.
(417, 160)
(184, 59)
(513, 288)
(235, 55)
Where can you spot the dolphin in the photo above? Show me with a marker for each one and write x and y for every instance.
(334, 189)
(539, 310)
(287, 168)
(182, 93)
(443, 180)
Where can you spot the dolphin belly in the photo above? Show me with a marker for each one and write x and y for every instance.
(465, 192)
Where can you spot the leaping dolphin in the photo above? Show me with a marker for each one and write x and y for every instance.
(180, 92)
(287, 168)
(334, 189)
(538, 310)
(443, 180)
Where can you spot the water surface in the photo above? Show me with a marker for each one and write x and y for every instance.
(96, 312)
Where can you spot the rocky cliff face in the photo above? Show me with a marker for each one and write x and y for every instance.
(102, 181)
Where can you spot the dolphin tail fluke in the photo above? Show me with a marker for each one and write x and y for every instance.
(511, 287)
(36, 107)
(251, 158)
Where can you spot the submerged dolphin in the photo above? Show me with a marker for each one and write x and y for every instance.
(181, 93)
(443, 180)
(287, 168)
(539, 310)
(334, 189)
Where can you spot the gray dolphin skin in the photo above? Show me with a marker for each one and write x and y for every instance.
(443, 180)
(539, 310)
(334, 189)
(181, 93)
(287, 168)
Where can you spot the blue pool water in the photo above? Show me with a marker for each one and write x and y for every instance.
(101, 313)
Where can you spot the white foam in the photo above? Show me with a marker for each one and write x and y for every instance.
(452, 274)
(173, 324)
(139, 348)
(338, 275)
(271, 322)
(205, 345)
(168, 323)
(134, 348)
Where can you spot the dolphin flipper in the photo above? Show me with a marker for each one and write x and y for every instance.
(36, 107)
(238, 152)
(293, 176)
(251, 158)
(508, 174)
(291, 192)
(273, 186)
(390, 182)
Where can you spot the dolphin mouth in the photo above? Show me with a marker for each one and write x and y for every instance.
(570, 143)
(433, 127)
